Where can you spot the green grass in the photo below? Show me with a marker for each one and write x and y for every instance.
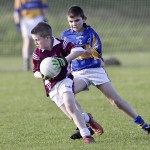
(30, 121)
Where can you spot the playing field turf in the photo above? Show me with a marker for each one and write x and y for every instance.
(30, 121)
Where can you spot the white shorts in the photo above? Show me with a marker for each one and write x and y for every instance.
(28, 24)
(94, 76)
(66, 85)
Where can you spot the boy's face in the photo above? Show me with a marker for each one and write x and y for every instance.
(76, 23)
(42, 43)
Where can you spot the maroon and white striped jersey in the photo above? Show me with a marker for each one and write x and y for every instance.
(61, 48)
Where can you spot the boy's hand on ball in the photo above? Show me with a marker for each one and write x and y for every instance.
(60, 62)
(45, 77)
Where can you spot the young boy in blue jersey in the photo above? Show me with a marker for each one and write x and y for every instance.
(88, 69)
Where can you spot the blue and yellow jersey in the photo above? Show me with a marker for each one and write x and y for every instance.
(30, 8)
(87, 39)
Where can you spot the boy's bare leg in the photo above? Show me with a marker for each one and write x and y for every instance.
(109, 91)
(76, 115)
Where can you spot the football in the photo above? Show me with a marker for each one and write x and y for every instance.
(48, 69)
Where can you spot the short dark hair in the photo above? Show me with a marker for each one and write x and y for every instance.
(43, 29)
(75, 11)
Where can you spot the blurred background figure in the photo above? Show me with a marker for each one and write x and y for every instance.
(27, 14)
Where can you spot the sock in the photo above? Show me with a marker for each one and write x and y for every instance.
(86, 117)
(85, 132)
(139, 121)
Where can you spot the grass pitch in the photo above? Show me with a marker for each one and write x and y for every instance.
(30, 121)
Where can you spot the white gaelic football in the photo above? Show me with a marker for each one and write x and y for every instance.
(48, 69)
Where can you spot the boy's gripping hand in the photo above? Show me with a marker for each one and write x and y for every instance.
(45, 77)
(38, 75)
(60, 62)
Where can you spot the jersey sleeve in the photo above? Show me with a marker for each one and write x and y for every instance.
(36, 62)
(97, 41)
(68, 46)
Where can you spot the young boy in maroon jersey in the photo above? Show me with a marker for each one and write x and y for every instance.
(60, 88)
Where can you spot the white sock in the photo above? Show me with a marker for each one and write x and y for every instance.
(85, 132)
(86, 117)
